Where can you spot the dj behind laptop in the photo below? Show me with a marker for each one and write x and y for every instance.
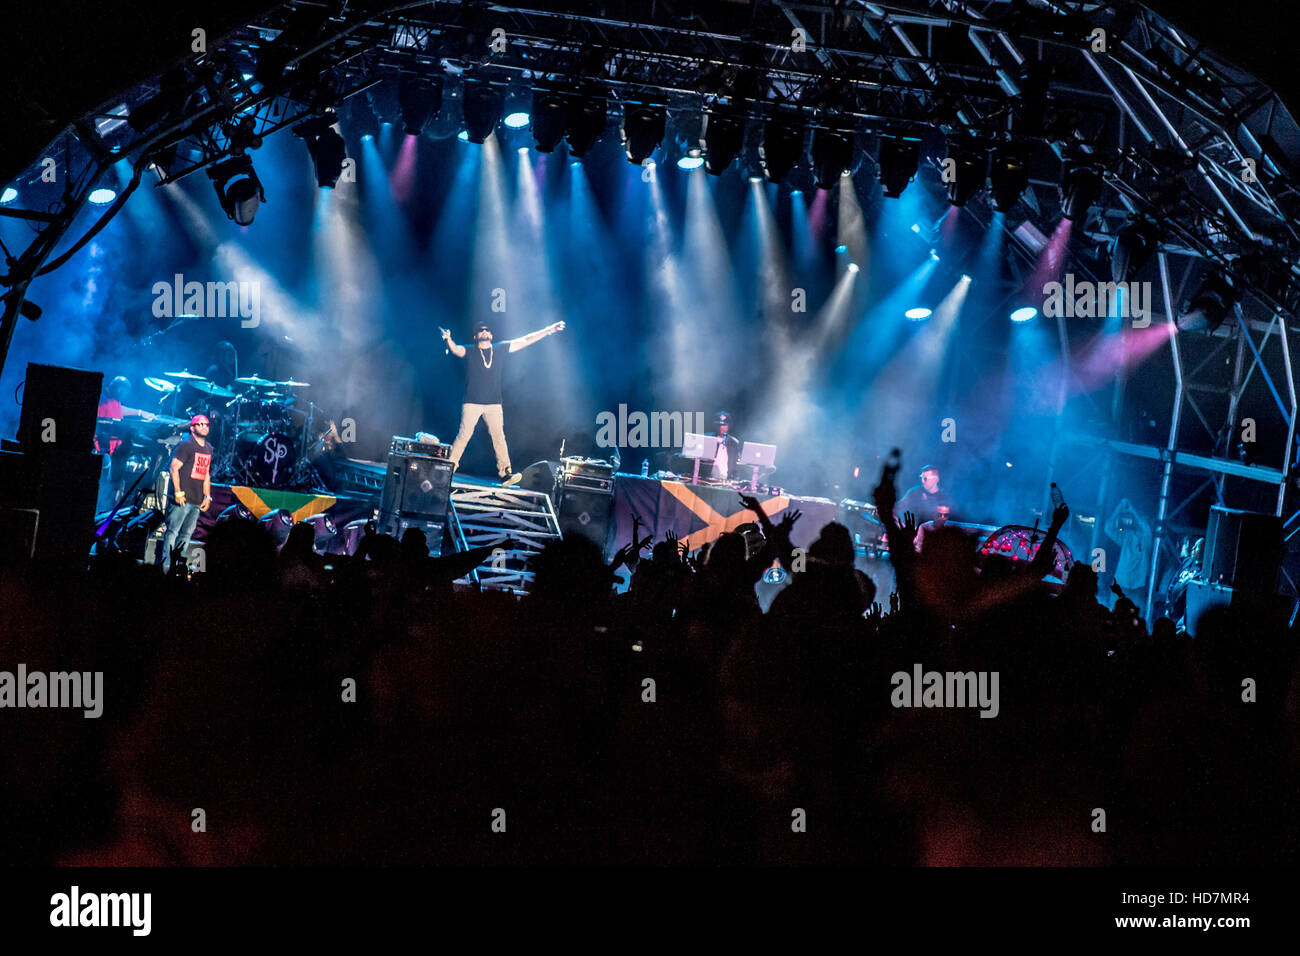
(755, 460)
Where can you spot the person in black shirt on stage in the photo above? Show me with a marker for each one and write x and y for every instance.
(483, 391)
(923, 500)
(191, 471)
(725, 464)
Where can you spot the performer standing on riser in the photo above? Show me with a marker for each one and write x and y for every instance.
(483, 391)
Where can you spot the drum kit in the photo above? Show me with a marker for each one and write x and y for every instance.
(259, 432)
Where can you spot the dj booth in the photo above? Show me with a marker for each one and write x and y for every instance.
(699, 514)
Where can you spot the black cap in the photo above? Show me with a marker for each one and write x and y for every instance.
(722, 419)
(481, 327)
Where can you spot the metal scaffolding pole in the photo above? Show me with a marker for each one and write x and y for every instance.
(1167, 469)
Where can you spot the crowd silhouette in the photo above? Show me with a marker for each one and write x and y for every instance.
(327, 709)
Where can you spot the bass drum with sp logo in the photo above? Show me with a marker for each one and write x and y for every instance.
(266, 459)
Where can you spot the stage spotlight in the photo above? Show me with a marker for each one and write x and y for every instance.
(8, 196)
(690, 162)
(238, 189)
(782, 145)
(853, 267)
(918, 314)
(463, 136)
(1132, 249)
(550, 120)
(419, 99)
(587, 124)
(516, 120)
(832, 155)
(328, 151)
(643, 130)
(483, 106)
(1080, 188)
(102, 197)
(1008, 178)
(1210, 306)
(969, 169)
(242, 135)
(724, 134)
(898, 161)
(279, 522)
(235, 512)
(1024, 314)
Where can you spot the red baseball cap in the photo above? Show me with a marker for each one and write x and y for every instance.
(199, 420)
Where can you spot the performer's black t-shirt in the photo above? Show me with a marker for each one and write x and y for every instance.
(923, 505)
(483, 384)
(195, 462)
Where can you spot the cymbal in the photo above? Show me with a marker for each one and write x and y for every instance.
(292, 384)
(208, 388)
(165, 420)
(160, 385)
(256, 382)
(185, 375)
(269, 395)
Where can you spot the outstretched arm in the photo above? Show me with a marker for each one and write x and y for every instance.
(456, 350)
(524, 341)
(1042, 563)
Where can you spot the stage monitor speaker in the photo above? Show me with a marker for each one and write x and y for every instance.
(417, 485)
(1200, 598)
(586, 513)
(397, 525)
(62, 403)
(541, 476)
(1243, 550)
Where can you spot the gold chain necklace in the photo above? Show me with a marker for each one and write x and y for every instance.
(487, 363)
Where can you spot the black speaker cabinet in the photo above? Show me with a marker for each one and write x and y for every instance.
(417, 485)
(1243, 550)
(586, 513)
(60, 487)
(1200, 598)
(62, 403)
(397, 525)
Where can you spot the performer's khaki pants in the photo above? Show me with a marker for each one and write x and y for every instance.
(469, 416)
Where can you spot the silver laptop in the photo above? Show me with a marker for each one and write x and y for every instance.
(701, 446)
(755, 453)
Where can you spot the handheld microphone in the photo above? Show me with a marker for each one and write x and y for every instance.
(446, 351)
